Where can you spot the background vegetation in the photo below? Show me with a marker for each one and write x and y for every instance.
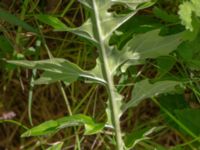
(160, 90)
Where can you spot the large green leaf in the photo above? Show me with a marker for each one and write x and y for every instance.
(136, 25)
(141, 47)
(189, 53)
(165, 16)
(164, 65)
(10, 18)
(52, 126)
(56, 69)
(140, 135)
(144, 89)
(190, 118)
(5, 46)
(147, 45)
(151, 45)
(172, 103)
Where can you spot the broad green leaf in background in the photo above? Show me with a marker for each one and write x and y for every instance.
(56, 69)
(151, 45)
(6, 51)
(141, 47)
(144, 89)
(162, 14)
(184, 116)
(186, 11)
(5, 46)
(164, 65)
(12, 19)
(137, 136)
(192, 35)
(148, 45)
(189, 53)
(52, 126)
(56, 146)
(173, 102)
(136, 25)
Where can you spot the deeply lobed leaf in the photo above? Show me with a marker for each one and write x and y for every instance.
(141, 47)
(144, 89)
(110, 21)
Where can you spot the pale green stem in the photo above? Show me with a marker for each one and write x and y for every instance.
(64, 95)
(174, 119)
(67, 7)
(108, 77)
(30, 96)
(14, 122)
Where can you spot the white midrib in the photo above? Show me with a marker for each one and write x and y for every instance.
(108, 77)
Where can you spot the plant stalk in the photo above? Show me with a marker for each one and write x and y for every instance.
(22, 16)
(108, 77)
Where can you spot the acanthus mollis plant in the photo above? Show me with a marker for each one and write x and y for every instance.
(98, 29)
